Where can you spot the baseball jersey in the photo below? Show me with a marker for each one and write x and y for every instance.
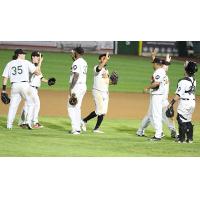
(35, 80)
(186, 88)
(18, 70)
(166, 87)
(101, 80)
(79, 66)
(159, 76)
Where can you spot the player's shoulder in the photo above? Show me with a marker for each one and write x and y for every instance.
(79, 61)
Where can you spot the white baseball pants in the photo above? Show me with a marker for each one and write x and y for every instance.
(75, 111)
(19, 91)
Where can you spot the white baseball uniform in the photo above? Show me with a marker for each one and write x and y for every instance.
(154, 114)
(79, 66)
(100, 90)
(186, 105)
(163, 89)
(18, 73)
(35, 83)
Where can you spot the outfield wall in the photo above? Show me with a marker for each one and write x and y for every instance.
(59, 46)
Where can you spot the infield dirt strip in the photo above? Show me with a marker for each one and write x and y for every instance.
(121, 105)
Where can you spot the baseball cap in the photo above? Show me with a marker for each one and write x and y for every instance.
(79, 50)
(157, 60)
(35, 53)
(19, 51)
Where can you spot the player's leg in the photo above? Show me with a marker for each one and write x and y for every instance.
(78, 108)
(156, 115)
(169, 123)
(75, 111)
(36, 109)
(22, 119)
(29, 99)
(145, 121)
(104, 99)
(14, 103)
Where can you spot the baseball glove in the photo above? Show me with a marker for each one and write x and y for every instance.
(114, 78)
(73, 99)
(4, 98)
(51, 81)
(170, 112)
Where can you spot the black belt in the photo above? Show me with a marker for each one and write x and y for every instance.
(34, 87)
(19, 82)
(186, 99)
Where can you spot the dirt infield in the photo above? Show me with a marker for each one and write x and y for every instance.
(121, 105)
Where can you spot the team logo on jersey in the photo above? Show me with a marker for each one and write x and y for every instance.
(74, 67)
(157, 77)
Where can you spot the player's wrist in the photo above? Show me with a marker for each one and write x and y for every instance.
(3, 88)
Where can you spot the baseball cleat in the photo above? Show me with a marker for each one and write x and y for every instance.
(141, 135)
(37, 125)
(97, 131)
(173, 134)
(74, 132)
(83, 126)
(155, 139)
(189, 141)
(23, 125)
(162, 135)
(27, 126)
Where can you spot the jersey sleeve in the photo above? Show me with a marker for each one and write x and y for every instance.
(158, 76)
(75, 67)
(180, 88)
(6, 72)
(31, 67)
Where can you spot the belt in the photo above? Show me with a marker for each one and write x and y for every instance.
(186, 99)
(34, 87)
(19, 82)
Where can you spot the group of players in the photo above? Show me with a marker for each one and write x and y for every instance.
(26, 78)
(159, 104)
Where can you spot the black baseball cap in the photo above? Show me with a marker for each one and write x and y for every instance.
(79, 50)
(35, 53)
(19, 51)
(158, 61)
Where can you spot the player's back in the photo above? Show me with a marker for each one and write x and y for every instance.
(18, 70)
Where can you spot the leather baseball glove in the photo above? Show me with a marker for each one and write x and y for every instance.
(170, 112)
(114, 78)
(51, 81)
(4, 98)
(73, 99)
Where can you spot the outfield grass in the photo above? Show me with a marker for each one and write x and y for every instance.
(119, 139)
(134, 72)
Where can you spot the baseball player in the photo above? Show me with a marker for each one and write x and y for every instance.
(18, 71)
(35, 83)
(157, 90)
(185, 95)
(169, 122)
(77, 87)
(100, 93)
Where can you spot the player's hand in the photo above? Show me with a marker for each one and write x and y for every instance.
(168, 58)
(145, 90)
(107, 56)
(154, 53)
(41, 58)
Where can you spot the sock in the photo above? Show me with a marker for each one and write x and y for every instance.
(90, 116)
(99, 121)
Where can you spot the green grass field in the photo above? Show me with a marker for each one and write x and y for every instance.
(119, 138)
